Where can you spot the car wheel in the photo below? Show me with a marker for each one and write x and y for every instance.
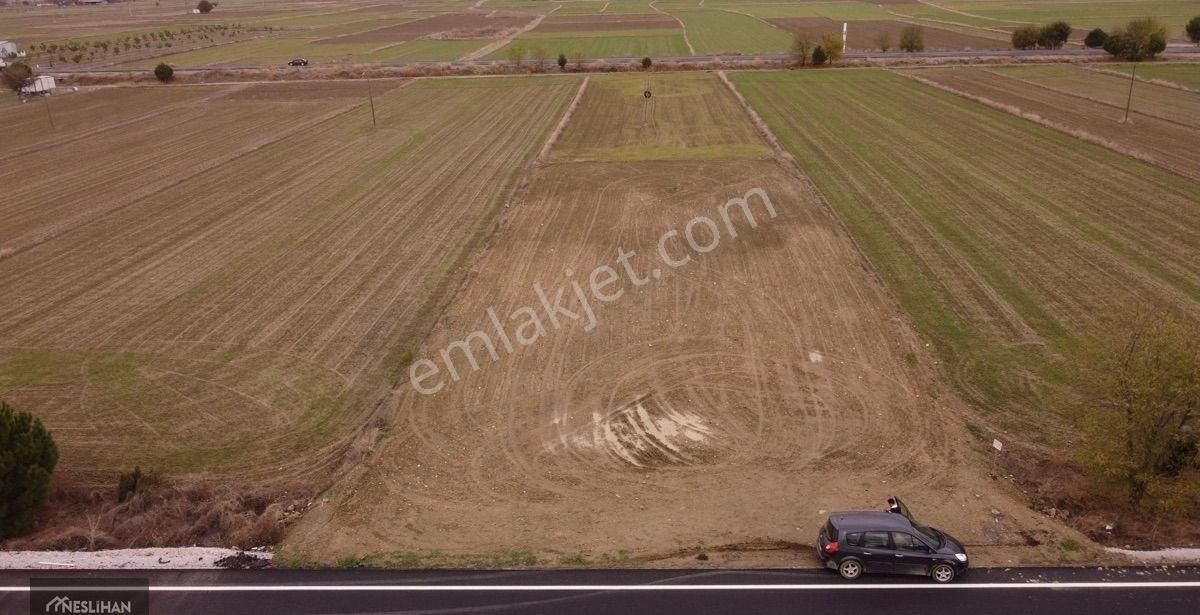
(850, 569)
(942, 573)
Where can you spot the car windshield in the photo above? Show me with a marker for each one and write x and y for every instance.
(929, 534)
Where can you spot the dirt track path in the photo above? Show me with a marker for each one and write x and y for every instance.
(691, 50)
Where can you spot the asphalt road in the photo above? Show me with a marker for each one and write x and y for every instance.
(733, 60)
(1022, 591)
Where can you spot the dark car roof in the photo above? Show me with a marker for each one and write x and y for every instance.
(859, 521)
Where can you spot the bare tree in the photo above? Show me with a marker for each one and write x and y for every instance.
(884, 41)
(801, 49)
(539, 56)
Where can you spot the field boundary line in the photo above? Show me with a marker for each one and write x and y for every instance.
(1152, 81)
(544, 154)
(788, 162)
(1030, 116)
(297, 128)
(1050, 88)
(498, 44)
(682, 25)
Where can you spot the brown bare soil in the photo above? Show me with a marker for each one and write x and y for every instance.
(591, 23)
(709, 406)
(865, 34)
(452, 25)
(1164, 135)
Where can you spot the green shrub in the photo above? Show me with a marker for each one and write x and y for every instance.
(1026, 37)
(205, 6)
(27, 459)
(1095, 39)
(819, 56)
(646, 62)
(1054, 35)
(164, 72)
(1193, 29)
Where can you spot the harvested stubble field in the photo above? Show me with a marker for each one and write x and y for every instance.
(866, 35)
(244, 322)
(709, 405)
(1164, 122)
(116, 146)
(968, 214)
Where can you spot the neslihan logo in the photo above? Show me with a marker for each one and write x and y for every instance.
(89, 597)
(63, 604)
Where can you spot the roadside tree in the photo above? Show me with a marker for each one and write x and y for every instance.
(16, 76)
(1193, 30)
(1026, 37)
(1095, 39)
(819, 56)
(1140, 39)
(1141, 416)
(27, 459)
(801, 49)
(833, 45)
(912, 39)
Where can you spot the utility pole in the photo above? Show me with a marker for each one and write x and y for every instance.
(46, 97)
(371, 97)
(1129, 99)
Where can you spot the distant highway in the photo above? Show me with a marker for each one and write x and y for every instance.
(1175, 50)
(1021, 591)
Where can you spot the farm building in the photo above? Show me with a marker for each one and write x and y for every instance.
(8, 49)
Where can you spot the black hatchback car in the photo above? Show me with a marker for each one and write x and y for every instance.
(889, 542)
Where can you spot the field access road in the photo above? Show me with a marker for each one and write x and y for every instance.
(1024, 591)
(733, 60)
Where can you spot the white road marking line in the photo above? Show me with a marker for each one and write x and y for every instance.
(652, 587)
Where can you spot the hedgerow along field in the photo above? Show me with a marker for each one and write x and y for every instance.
(732, 379)
(244, 322)
(1008, 243)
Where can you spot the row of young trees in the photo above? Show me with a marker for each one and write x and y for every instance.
(77, 51)
(831, 46)
(1140, 39)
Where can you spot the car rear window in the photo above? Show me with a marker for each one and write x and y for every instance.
(830, 531)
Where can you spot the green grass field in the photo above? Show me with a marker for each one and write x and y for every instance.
(846, 10)
(1093, 13)
(690, 116)
(720, 32)
(1187, 75)
(615, 44)
(1004, 261)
